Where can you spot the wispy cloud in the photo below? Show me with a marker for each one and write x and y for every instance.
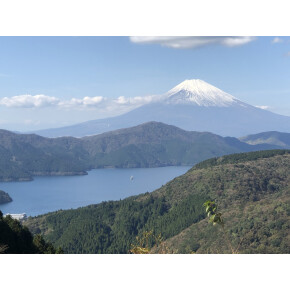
(277, 40)
(288, 53)
(186, 42)
(136, 100)
(264, 107)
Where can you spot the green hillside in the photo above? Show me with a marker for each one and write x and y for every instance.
(17, 239)
(251, 189)
(24, 156)
(152, 144)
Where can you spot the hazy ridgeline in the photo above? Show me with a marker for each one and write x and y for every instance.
(153, 144)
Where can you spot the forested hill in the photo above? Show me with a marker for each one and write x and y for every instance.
(152, 144)
(23, 156)
(252, 191)
(17, 239)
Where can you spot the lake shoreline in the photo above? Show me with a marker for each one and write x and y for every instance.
(80, 173)
(51, 193)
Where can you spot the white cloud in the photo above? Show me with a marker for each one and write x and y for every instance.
(277, 40)
(97, 103)
(263, 107)
(84, 102)
(122, 100)
(184, 42)
(41, 101)
(28, 101)
(137, 101)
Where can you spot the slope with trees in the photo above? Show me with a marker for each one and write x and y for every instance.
(17, 239)
(252, 190)
(153, 144)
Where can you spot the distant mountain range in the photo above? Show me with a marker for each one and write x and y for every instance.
(152, 144)
(192, 105)
(272, 138)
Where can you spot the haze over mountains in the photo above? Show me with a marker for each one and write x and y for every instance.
(273, 138)
(192, 105)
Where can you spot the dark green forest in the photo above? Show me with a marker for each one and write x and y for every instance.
(17, 239)
(251, 189)
(152, 144)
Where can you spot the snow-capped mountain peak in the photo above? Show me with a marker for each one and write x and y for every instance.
(199, 92)
(192, 105)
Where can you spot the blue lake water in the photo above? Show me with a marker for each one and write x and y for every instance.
(51, 193)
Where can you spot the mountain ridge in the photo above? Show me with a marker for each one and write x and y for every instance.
(272, 138)
(152, 144)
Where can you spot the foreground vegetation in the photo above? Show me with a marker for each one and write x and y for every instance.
(251, 189)
(16, 239)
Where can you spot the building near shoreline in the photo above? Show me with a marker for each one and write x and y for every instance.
(17, 216)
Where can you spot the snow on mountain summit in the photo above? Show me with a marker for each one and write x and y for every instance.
(193, 105)
(199, 93)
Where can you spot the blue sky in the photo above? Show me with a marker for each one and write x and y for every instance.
(56, 81)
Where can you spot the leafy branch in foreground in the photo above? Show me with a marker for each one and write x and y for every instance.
(143, 243)
(215, 218)
(3, 248)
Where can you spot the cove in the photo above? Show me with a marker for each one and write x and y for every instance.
(50, 193)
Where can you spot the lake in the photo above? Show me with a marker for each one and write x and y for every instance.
(50, 193)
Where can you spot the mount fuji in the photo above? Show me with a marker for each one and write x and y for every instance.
(192, 105)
